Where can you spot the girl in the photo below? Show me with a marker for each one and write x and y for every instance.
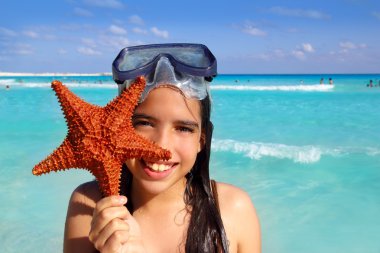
(166, 206)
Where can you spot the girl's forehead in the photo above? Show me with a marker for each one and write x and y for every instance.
(169, 99)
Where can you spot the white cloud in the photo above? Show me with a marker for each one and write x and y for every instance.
(114, 4)
(252, 30)
(346, 45)
(139, 30)
(49, 37)
(283, 11)
(22, 49)
(62, 51)
(31, 34)
(7, 32)
(115, 42)
(293, 30)
(82, 12)
(135, 19)
(279, 53)
(89, 42)
(264, 57)
(88, 51)
(307, 47)
(117, 30)
(376, 14)
(160, 33)
(75, 27)
(299, 54)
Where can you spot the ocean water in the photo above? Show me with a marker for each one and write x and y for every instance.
(308, 155)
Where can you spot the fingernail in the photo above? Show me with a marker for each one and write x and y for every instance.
(122, 199)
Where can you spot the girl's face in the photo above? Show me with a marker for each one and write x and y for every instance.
(173, 122)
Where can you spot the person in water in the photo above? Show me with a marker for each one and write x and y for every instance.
(166, 206)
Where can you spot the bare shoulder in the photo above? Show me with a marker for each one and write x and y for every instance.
(87, 193)
(79, 216)
(234, 200)
(239, 218)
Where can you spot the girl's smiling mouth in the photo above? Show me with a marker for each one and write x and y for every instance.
(158, 169)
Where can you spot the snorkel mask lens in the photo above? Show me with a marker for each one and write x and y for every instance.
(190, 67)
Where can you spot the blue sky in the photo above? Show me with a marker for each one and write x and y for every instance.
(271, 36)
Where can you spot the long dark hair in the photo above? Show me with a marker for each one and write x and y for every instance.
(206, 231)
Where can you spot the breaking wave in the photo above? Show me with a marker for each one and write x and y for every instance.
(315, 87)
(298, 154)
(81, 84)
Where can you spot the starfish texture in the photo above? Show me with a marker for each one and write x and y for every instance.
(100, 139)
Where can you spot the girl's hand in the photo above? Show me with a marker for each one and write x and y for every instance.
(114, 229)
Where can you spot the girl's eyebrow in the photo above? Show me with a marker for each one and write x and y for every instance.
(188, 123)
(141, 115)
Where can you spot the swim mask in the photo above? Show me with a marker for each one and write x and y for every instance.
(189, 67)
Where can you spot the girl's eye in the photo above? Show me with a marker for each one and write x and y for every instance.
(185, 129)
(138, 123)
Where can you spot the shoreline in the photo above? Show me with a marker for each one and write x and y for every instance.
(10, 74)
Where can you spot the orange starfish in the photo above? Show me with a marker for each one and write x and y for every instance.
(100, 139)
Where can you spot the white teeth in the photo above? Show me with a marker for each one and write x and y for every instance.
(158, 167)
(161, 167)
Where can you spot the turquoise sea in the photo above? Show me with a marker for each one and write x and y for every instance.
(308, 154)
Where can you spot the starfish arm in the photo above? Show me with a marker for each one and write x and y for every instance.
(62, 158)
(73, 107)
(127, 101)
(136, 146)
(108, 176)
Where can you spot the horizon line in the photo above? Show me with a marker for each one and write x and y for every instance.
(10, 74)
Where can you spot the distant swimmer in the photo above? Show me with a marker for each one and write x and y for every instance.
(370, 84)
(7, 87)
(321, 81)
(331, 81)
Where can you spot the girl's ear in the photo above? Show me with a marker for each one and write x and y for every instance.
(202, 142)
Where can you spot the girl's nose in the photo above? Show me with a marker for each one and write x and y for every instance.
(162, 138)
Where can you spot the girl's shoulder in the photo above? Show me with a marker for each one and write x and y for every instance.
(232, 198)
(87, 193)
(239, 218)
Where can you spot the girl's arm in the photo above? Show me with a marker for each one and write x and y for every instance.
(78, 219)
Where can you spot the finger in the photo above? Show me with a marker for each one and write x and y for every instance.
(108, 202)
(100, 221)
(115, 242)
(116, 225)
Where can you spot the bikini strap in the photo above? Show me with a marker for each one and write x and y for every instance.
(215, 194)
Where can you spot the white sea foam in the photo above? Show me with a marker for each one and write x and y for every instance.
(53, 74)
(76, 85)
(314, 87)
(82, 84)
(7, 81)
(299, 154)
